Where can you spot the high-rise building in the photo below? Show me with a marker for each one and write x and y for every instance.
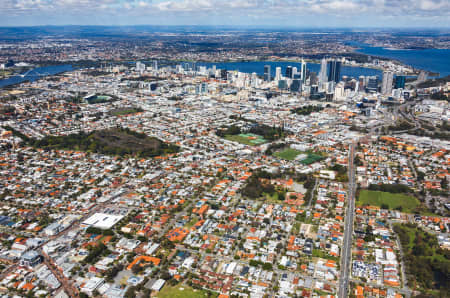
(282, 84)
(372, 84)
(303, 72)
(296, 85)
(362, 82)
(267, 75)
(334, 70)
(155, 64)
(386, 85)
(400, 82)
(289, 73)
(223, 74)
(323, 71)
(140, 66)
(278, 73)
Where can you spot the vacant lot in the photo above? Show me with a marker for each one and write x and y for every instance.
(181, 291)
(392, 200)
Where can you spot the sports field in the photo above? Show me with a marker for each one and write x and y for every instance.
(181, 291)
(247, 139)
(288, 154)
(392, 200)
(312, 158)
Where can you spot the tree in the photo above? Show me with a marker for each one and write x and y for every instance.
(131, 292)
(136, 268)
(267, 266)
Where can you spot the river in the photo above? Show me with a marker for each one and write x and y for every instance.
(35, 74)
(435, 60)
(258, 67)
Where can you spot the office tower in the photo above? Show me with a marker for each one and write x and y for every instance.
(296, 85)
(223, 74)
(289, 72)
(386, 84)
(267, 75)
(278, 73)
(155, 65)
(254, 80)
(313, 80)
(303, 72)
(330, 86)
(323, 71)
(282, 84)
(294, 72)
(372, 84)
(140, 66)
(339, 92)
(400, 82)
(362, 82)
(334, 70)
(202, 88)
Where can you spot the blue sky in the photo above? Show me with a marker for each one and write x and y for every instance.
(292, 13)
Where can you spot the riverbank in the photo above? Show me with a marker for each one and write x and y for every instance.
(35, 74)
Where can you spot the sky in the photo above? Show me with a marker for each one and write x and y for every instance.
(283, 13)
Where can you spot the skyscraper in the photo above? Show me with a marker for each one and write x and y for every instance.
(278, 73)
(400, 82)
(303, 71)
(267, 76)
(289, 72)
(296, 85)
(155, 64)
(386, 85)
(334, 70)
(372, 84)
(323, 71)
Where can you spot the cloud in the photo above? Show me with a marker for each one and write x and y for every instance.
(231, 9)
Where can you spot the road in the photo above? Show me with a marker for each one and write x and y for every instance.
(67, 285)
(69, 288)
(346, 254)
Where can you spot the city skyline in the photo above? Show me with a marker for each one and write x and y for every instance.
(300, 14)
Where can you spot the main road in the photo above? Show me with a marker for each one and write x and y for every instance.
(346, 254)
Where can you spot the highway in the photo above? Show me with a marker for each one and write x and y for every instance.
(346, 254)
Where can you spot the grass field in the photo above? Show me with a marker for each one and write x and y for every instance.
(392, 200)
(312, 158)
(291, 154)
(288, 154)
(273, 199)
(125, 111)
(247, 139)
(191, 223)
(181, 291)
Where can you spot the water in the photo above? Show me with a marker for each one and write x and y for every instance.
(36, 74)
(258, 67)
(435, 60)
